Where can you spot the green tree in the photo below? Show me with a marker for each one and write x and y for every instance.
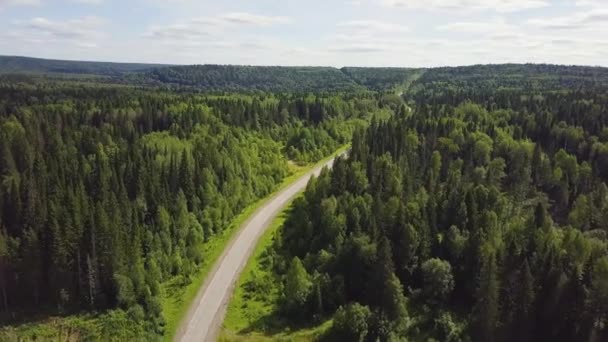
(298, 287)
(598, 298)
(487, 306)
(350, 322)
(438, 281)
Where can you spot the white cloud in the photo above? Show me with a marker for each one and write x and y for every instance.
(191, 30)
(372, 26)
(584, 20)
(206, 27)
(484, 27)
(88, 2)
(354, 3)
(365, 43)
(80, 32)
(15, 3)
(6, 3)
(85, 27)
(353, 32)
(591, 3)
(469, 5)
(252, 19)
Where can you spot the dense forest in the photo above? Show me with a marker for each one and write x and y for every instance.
(107, 192)
(209, 77)
(458, 221)
(382, 79)
(238, 78)
(473, 204)
(423, 85)
(503, 84)
(17, 64)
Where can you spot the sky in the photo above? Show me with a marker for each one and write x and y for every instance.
(406, 33)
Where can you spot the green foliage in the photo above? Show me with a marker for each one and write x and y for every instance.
(447, 329)
(298, 287)
(233, 78)
(476, 221)
(382, 78)
(438, 281)
(487, 304)
(15, 64)
(351, 322)
(108, 194)
(478, 214)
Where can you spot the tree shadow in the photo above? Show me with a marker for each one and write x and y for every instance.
(275, 323)
(41, 314)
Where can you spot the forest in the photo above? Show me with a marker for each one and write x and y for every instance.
(227, 78)
(109, 192)
(29, 65)
(472, 206)
(481, 215)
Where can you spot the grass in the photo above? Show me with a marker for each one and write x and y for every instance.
(251, 314)
(52, 328)
(246, 306)
(177, 300)
(307, 334)
(112, 325)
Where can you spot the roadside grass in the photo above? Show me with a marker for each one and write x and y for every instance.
(300, 335)
(112, 325)
(52, 328)
(252, 308)
(256, 291)
(252, 311)
(176, 300)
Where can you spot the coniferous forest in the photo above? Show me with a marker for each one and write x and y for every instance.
(480, 215)
(472, 206)
(107, 192)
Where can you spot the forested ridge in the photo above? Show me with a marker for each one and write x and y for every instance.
(382, 79)
(29, 65)
(236, 77)
(458, 221)
(206, 77)
(444, 81)
(108, 192)
(504, 82)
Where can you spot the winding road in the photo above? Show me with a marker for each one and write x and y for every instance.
(207, 312)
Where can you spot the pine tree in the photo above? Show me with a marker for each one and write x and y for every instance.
(185, 178)
(487, 306)
(298, 288)
(4, 261)
(524, 310)
(391, 300)
(540, 216)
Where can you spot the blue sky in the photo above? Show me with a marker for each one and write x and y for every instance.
(314, 32)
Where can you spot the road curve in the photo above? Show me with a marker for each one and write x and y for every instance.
(207, 312)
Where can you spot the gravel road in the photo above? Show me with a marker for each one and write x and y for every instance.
(205, 316)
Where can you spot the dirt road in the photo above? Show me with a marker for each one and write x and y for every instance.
(205, 317)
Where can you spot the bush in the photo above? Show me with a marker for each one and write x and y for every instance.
(447, 329)
(351, 322)
(136, 313)
(438, 279)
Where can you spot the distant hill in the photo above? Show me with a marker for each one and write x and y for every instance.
(29, 65)
(416, 83)
(218, 77)
(516, 76)
(382, 78)
(236, 77)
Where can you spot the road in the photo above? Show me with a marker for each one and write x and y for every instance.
(205, 317)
